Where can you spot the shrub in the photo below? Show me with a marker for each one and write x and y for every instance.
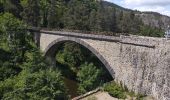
(89, 77)
(115, 90)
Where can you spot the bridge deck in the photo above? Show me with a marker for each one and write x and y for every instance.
(131, 40)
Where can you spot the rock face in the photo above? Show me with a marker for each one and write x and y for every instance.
(142, 64)
(155, 19)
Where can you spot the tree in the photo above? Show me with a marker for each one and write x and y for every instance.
(88, 76)
(78, 14)
(31, 13)
(44, 9)
(72, 54)
(1, 7)
(55, 14)
(14, 41)
(11, 6)
(36, 81)
(35, 86)
(16, 34)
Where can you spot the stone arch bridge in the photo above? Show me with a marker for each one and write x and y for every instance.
(142, 64)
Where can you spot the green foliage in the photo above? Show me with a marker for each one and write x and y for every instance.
(1, 7)
(35, 81)
(71, 58)
(85, 15)
(44, 9)
(15, 32)
(6, 86)
(55, 14)
(41, 85)
(46, 82)
(88, 76)
(12, 45)
(31, 13)
(118, 91)
(73, 54)
(78, 14)
(92, 98)
(8, 70)
(150, 31)
(11, 6)
(36, 61)
(115, 90)
(24, 73)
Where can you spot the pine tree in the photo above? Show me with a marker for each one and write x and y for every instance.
(11, 6)
(32, 13)
(89, 77)
(55, 14)
(44, 6)
(1, 7)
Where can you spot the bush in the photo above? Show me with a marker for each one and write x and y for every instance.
(36, 81)
(115, 90)
(89, 77)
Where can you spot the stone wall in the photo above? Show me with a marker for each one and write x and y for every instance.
(142, 64)
(147, 70)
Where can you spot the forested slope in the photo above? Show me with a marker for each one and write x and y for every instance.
(86, 15)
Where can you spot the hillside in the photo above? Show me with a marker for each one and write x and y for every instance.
(87, 15)
(106, 3)
(153, 19)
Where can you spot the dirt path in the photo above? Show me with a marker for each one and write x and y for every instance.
(105, 96)
(99, 96)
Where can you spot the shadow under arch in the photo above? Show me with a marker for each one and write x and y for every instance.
(52, 49)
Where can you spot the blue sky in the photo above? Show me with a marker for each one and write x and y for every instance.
(161, 6)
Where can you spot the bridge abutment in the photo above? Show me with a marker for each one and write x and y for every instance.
(37, 36)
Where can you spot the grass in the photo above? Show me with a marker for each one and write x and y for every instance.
(92, 98)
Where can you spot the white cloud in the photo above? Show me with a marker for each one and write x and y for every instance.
(160, 6)
(159, 9)
(146, 2)
(166, 13)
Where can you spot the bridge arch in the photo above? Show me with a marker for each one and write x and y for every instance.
(51, 49)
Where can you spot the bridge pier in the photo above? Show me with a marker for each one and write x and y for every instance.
(37, 38)
(36, 35)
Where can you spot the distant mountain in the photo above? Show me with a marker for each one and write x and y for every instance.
(152, 19)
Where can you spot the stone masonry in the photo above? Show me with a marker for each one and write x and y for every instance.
(142, 64)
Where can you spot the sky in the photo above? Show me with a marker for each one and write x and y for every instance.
(160, 6)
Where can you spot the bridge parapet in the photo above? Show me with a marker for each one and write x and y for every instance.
(150, 42)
